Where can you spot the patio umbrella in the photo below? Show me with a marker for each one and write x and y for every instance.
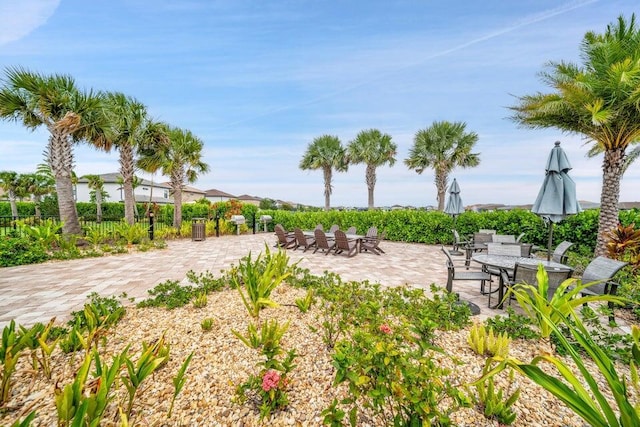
(454, 206)
(557, 196)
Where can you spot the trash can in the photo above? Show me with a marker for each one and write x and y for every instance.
(198, 230)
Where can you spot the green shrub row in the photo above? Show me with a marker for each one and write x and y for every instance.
(435, 227)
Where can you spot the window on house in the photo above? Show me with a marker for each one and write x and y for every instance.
(166, 194)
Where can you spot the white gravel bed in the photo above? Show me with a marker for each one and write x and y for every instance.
(221, 362)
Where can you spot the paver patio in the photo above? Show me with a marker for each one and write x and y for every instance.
(38, 292)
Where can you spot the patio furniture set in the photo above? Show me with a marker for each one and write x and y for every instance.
(334, 241)
(503, 259)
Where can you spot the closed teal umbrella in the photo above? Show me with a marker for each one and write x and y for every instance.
(557, 196)
(454, 204)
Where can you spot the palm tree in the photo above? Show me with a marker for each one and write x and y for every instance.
(599, 100)
(326, 153)
(131, 130)
(96, 183)
(70, 116)
(37, 185)
(10, 183)
(443, 146)
(374, 149)
(181, 162)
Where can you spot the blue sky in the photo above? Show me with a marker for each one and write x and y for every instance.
(257, 81)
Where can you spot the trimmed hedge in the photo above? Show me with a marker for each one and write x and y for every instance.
(435, 227)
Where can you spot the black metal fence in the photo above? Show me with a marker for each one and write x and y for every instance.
(106, 225)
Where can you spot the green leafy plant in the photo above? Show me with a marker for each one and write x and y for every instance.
(19, 251)
(151, 358)
(70, 400)
(11, 348)
(179, 381)
(130, 233)
(41, 346)
(304, 304)
(386, 371)
(486, 342)
(513, 324)
(170, 294)
(207, 324)
(200, 300)
(259, 279)
(491, 401)
(95, 236)
(579, 391)
(26, 422)
(45, 234)
(545, 312)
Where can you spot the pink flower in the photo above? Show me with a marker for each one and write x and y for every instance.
(385, 329)
(270, 380)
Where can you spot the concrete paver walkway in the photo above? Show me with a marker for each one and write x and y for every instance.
(38, 292)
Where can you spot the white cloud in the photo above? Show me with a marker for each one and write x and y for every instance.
(18, 18)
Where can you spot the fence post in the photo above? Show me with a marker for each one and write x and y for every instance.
(151, 225)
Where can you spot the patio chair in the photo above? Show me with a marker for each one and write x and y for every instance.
(372, 244)
(600, 271)
(333, 228)
(479, 243)
(560, 252)
(323, 244)
(463, 272)
(285, 240)
(343, 244)
(371, 232)
(486, 231)
(500, 249)
(503, 238)
(304, 241)
(458, 243)
(519, 238)
(319, 227)
(529, 274)
(351, 230)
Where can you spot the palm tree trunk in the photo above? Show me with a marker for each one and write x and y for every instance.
(441, 187)
(37, 199)
(611, 176)
(12, 203)
(177, 207)
(59, 155)
(127, 171)
(99, 205)
(371, 183)
(327, 188)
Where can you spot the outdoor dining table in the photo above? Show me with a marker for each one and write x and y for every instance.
(508, 262)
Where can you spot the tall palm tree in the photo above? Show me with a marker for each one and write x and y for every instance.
(130, 130)
(96, 183)
(69, 114)
(326, 153)
(181, 162)
(443, 146)
(10, 183)
(374, 149)
(599, 100)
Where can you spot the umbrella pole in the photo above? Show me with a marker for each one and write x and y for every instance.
(550, 241)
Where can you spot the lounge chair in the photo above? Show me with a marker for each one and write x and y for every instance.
(351, 230)
(323, 243)
(529, 274)
(372, 244)
(343, 244)
(285, 240)
(560, 252)
(305, 241)
(333, 228)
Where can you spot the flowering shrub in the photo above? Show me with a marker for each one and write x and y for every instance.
(385, 329)
(270, 380)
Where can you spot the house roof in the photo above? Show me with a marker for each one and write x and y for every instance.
(248, 197)
(115, 177)
(217, 193)
(187, 188)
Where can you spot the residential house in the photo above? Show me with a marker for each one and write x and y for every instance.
(252, 200)
(115, 192)
(214, 195)
(191, 194)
